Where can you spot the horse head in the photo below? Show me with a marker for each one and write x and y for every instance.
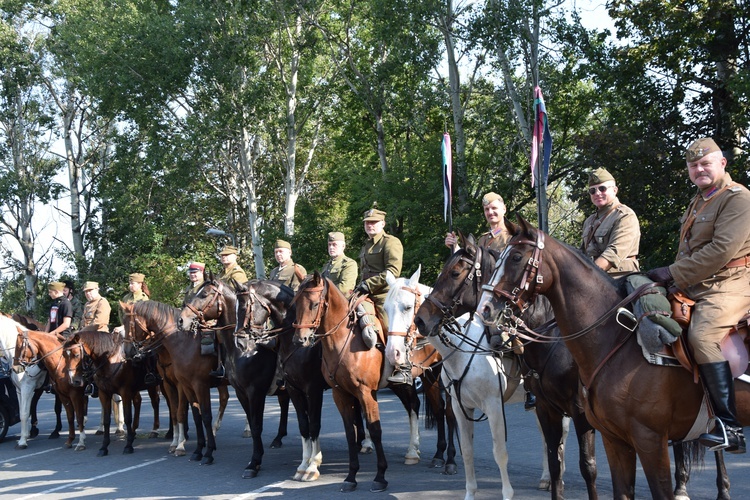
(75, 355)
(213, 301)
(262, 307)
(26, 353)
(404, 298)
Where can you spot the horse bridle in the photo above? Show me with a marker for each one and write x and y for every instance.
(524, 294)
(474, 277)
(214, 298)
(258, 331)
(322, 308)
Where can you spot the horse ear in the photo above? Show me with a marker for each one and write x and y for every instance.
(414, 280)
(460, 237)
(512, 228)
(126, 307)
(525, 225)
(208, 275)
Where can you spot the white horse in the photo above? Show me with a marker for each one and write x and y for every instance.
(474, 379)
(26, 382)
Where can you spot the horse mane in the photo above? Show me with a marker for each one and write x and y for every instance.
(276, 293)
(100, 343)
(160, 313)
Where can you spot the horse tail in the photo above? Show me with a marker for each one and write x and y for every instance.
(693, 453)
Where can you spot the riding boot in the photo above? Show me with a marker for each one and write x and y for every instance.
(727, 432)
(219, 372)
(401, 375)
(367, 324)
(530, 401)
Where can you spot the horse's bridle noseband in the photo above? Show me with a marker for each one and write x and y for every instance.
(474, 277)
(524, 294)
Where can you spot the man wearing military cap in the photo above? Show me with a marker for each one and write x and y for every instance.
(612, 234)
(195, 275)
(713, 269)
(137, 289)
(494, 213)
(287, 271)
(97, 309)
(232, 271)
(60, 312)
(340, 269)
(380, 253)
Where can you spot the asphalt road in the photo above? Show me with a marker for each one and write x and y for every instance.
(46, 470)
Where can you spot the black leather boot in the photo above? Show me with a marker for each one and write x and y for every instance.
(530, 401)
(401, 375)
(727, 432)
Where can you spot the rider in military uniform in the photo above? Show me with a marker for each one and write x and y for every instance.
(232, 271)
(380, 253)
(195, 275)
(611, 235)
(97, 309)
(287, 271)
(340, 269)
(713, 268)
(497, 237)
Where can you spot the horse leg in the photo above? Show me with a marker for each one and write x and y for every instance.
(128, 401)
(348, 407)
(200, 435)
(153, 394)
(135, 410)
(364, 443)
(117, 411)
(496, 419)
(37, 395)
(80, 409)
(586, 452)
(550, 423)
(299, 400)
(256, 405)
(106, 400)
(26, 395)
(58, 418)
(466, 442)
(206, 417)
(314, 414)
(180, 410)
(434, 415)
(408, 396)
(283, 397)
(656, 465)
(681, 472)
(621, 457)
(372, 415)
(722, 478)
(451, 467)
(223, 391)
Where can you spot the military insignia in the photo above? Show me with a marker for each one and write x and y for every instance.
(369, 213)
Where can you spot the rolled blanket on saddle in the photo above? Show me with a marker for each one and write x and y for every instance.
(653, 306)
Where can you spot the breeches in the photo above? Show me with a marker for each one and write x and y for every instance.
(720, 303)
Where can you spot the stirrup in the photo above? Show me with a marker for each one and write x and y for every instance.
(717, 439)
(219, 372)
(530, 403)
(400, 377)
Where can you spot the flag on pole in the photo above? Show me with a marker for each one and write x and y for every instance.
(541, 137)
(447, 176)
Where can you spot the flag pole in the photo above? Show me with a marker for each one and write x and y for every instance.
(447, 179)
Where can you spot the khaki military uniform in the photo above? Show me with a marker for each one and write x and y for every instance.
(75, 321)
(132, 298)
(378, 255)
(343, 272)
(614, 234)
(191, 291)
(289, 273)
(96, 315)
(714, 233)
(497, 241)
(236, 273)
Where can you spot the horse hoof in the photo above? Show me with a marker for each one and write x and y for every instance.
(68, 445)
(411, 461)
(309, 477)
(365, 450)
(544, 485)
(21, 446)
(207, 461)
(249, 473)
(99, 433)
(54, 435)
(153, 434)
(80, 447)
(348, 486)
(102, 453)
(247, 434)
(378, 486)
(437, 463)
(34, 432)
(196, 456)
(128, 450)
(180, 453)
(276, 443)
(120, 432)
(298, 475)
(451, 470)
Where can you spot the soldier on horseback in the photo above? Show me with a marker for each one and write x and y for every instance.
(713, 269)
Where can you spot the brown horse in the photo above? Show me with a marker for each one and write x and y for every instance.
(151, 325)
(638, 407)
(104, 355)
(553, 374)
(353, 371)
(251, 371)
(34, 347)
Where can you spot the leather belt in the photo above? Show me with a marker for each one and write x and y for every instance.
(741, 262)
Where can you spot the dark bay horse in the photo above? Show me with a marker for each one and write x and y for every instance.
(353, 371)
(554, 377)
(153, 326)
(104, 355)
(250, 370)
(35, 348)
(638, 407)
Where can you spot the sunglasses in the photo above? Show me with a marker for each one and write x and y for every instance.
(601, 189)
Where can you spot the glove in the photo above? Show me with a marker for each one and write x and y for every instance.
(660, 275)
(362, 288)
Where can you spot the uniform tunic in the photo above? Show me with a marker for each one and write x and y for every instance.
(132, 298)
(287, 273)
(378, 255)
(614, 234)
(343, 272)
(236, 273)
(96, 315)
(75, 321)
(494, 241)
(714, 232)
(191, 291)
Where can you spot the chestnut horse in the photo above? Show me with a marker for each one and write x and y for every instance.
(151, 325)
(638, 407)
(353, 371)
(250, 371)
(34, 348)
(554, 375)
(103, 355)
